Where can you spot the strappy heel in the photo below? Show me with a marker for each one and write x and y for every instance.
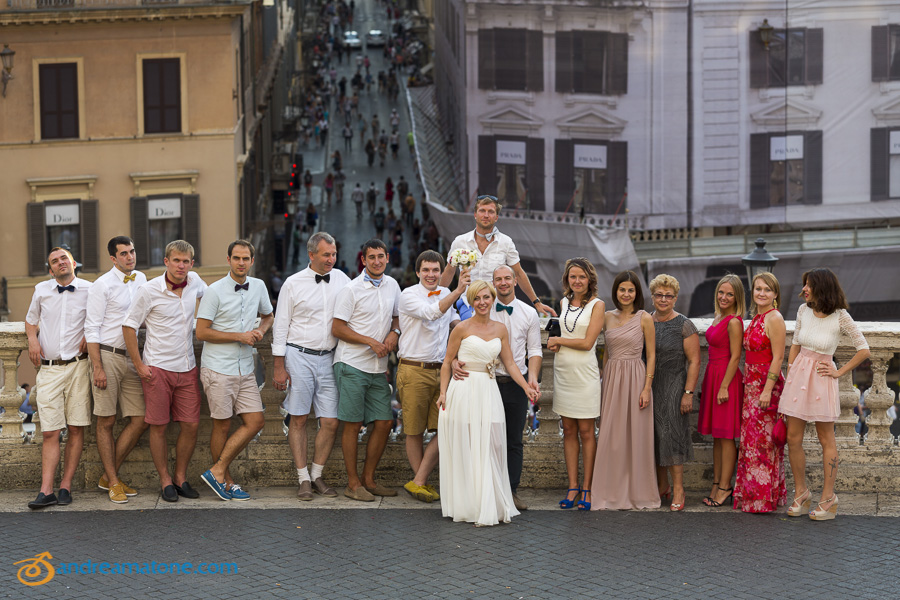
(798, 510)
(584, 504)
(709, 499)
(826, 514)
(729, 498)
(666, 495)
(566, 503)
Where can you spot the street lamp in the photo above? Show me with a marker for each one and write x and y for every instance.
(765, 33)
(7, 56)
(758, 261)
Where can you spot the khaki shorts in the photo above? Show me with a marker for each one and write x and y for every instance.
(230, 395)
(418, 390)
(64, 395)
(123, 387)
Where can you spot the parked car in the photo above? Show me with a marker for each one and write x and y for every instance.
(352, 41)
(375, 37)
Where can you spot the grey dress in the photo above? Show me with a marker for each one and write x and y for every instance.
(671, 429)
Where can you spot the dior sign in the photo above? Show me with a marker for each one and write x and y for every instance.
(61, 214)
(510, 153)
(167, 208)
(590, 157)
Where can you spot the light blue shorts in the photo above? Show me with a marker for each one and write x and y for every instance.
(312, 384)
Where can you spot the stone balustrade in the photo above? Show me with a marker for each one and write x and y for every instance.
(867, 465)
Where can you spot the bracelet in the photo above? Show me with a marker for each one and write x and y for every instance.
(772, 376)
(649, 375)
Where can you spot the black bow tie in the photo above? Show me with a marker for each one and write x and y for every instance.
(325, 278)
(242, 286)
(65, 288)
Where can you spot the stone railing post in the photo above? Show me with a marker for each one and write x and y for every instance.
(272, 398)
(879, 399)
(12, 342)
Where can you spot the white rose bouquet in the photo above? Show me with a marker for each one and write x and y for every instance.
(463, 258)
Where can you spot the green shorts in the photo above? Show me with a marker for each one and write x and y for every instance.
(363, 397)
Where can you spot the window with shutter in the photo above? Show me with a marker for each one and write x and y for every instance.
(58, 93)
(162, 95)
(794, 57)
(191, 223)
(487, 165)
(591, 176)
(885, 163)
(140, 231)
(785, 169)
(486, 59)
(564, 178)
(90, 235)
(510, 59)
(886, 53)
(37, 239)
(592, 62)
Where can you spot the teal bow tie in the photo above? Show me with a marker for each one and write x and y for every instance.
(502, 307)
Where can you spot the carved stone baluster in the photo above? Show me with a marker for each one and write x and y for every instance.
(10, 399)
(845, 427)
(272, 398)
(878, 399)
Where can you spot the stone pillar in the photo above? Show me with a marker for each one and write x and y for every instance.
(12, 342)
(845, 427)
(272, 398)
(879, 399)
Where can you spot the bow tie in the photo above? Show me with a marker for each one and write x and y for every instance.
(175, 286)
(128, 278)
(242, 286)
(375, 282)
(325, 278)
(434, 293)
(488, 236)
(502, 307)
(65, 288)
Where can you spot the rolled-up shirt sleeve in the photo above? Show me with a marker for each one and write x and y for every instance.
(139, 310)
(96, 307)
(282, 323)
(533, 338)
(33, 317)
(209, 306)
(343, 306)
(417, 307)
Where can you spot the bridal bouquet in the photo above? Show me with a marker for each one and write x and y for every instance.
(463, 258)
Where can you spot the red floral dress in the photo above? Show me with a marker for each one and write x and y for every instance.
(759, 483)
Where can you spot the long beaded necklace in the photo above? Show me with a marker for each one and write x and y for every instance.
(569, 309)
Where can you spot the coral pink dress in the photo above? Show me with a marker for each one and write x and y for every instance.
(721, 420)
(759, 483)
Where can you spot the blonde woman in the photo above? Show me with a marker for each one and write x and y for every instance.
(759, 483)
(723, 386)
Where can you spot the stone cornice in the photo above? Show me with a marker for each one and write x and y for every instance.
(138, 13)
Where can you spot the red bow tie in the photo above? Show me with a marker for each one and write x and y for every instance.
(175, 286)
(434, 293)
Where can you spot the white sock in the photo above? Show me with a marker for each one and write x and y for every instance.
(303, 474)
(316, 471)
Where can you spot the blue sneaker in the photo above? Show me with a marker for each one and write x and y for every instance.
(237, 493)
(215, 486)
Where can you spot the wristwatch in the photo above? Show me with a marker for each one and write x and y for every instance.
(536, 301)
(689, 392)
(395, 330)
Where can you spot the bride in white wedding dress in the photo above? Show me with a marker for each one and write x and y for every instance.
(471, 426)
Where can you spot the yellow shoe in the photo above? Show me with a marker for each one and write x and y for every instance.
(419, 492)
(432, 491)
(117, 494)
(103, 484)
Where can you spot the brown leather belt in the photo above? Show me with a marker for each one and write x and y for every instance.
(58, 362)
(114, 350)
(423, 365)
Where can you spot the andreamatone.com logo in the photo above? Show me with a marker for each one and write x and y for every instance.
(38, 569)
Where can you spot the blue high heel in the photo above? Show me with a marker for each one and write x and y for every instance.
(566, 503)
(584, 504)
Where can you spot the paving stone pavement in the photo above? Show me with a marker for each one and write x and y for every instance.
(391, 553)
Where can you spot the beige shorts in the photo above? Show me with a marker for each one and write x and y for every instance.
(64, 395)
(123, 387)
(418, 390)
(230, 395)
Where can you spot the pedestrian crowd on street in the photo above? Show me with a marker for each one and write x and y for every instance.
(468, 361)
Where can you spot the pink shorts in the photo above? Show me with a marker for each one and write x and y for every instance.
(171, 396)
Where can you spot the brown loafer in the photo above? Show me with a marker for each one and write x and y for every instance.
(359, 493)
(380, 490)
(304, 492)
(518, 503)
(320, 487)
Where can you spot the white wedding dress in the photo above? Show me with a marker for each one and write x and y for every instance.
(472, 442)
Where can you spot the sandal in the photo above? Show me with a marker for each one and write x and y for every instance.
(678, 507)
(664, 496)
(566, 503)
(584, 504)
(709, 499)
(714, 504)
(800, 505)
(826, 514)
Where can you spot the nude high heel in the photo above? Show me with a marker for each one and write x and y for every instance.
(798, 510)
(826, 514)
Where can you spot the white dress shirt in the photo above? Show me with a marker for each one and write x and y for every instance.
(524, 332)
(59, 318)
(500, 251)
(425, 329)
(305, 311)
(169, 320)
(368, 310)
(108, 303)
